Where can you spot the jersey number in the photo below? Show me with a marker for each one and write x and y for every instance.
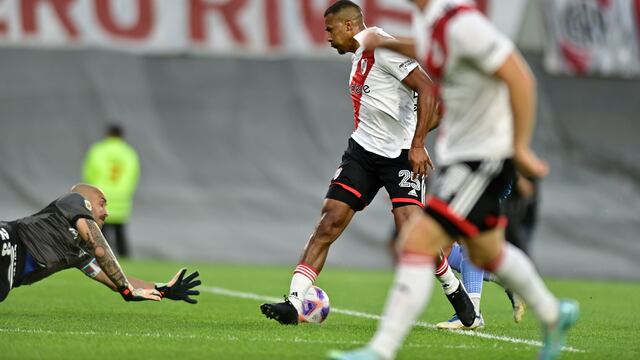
(407, 181)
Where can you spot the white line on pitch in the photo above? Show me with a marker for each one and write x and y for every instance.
(258, 297)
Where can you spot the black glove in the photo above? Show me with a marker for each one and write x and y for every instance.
(179, 288)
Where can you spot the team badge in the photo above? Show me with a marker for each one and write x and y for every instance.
(363, 66)
(87, 204)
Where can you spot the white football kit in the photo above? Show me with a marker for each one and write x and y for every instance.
(383, 107)
(461, 51)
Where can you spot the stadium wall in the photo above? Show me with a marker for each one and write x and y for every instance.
(237, 154)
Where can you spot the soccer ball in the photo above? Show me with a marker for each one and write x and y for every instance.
(315, 306)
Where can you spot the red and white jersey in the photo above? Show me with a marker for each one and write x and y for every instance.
(461, 50)
(383, 107)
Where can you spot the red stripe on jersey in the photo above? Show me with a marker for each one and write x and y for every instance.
(407, 200)
(356, 86)
(437, 52)
(443, 209)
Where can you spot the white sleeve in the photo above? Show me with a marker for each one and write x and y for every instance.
(478, 40)
(397, 65)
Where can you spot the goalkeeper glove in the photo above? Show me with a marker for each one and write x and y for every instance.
(180, 288)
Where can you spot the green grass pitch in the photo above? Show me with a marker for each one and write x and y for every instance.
(71, 317)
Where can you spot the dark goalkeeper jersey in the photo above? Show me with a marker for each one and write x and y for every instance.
(51, 238)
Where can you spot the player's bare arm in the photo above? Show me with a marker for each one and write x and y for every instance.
(136, 283)
(402, 45)
(91, 234)
(419, 82)
(178, 288)
(522, 91)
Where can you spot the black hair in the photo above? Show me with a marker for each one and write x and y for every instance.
(115, 130)
(340, 5)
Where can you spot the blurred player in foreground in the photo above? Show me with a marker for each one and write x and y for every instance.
(385, 149)
(488, 93)
(67, 233)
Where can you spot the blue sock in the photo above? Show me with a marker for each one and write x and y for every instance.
(455, 257)
(472, 277)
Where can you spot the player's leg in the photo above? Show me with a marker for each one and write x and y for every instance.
(513, 268)
(518, 305)
(472, 279)
(352, 188)
(443, 272)
(335, 217)
(420, 241)
(407, 197)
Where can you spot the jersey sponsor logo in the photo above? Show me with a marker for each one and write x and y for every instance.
(4, 234)
(405, 65)
(356, 89)
(87, 204)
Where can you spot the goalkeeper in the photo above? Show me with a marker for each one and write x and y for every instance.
(67, 233)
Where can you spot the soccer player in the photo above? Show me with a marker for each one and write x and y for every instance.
(385, 149)
(488, 94)
(67, 233)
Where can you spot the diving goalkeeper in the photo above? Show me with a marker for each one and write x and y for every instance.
(67, 233)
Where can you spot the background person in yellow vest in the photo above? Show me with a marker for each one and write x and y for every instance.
(112, 165)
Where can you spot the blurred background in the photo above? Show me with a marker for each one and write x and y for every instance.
(239, 113)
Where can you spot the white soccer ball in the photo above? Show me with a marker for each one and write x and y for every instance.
(315, 306)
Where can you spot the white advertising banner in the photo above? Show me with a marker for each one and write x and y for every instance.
(593, 37)
(235, 27)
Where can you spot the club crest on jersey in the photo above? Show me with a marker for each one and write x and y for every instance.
(363, 66)
(87, 204)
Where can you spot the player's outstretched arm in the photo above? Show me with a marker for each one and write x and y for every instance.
(402, 45)
(90, 233)
(178, 288)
